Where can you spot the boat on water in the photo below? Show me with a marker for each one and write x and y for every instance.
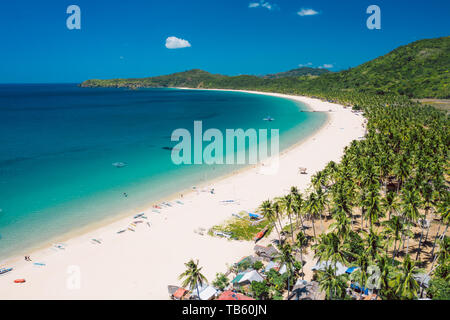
(269, 118)
(119, 164)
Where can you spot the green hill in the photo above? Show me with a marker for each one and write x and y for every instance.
(304, 71)
(420, 70)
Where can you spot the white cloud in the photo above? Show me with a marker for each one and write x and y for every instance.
(176, 43)
(262, 4)
(326, 66)
(307, 12)
(305, 65)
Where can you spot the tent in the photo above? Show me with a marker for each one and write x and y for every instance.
(358, 288)
(254, 215)
(322, 265)
(351, 270)
(270, 266)
(208, 293)
(252, 276)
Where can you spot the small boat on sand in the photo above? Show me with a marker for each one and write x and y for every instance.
(5, 270)
(19, 281)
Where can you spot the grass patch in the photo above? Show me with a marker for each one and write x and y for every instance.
(242, 228)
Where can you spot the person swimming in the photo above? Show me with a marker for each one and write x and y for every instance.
(125, 195)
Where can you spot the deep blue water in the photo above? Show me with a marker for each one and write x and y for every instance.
(58, 143)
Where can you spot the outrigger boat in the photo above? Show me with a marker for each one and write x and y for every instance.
(5, 270)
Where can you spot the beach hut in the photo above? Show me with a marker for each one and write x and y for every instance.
(180, 294)
(249, 260)
(322, 265)
(208, 293)
(271, 265)
(230, 295)
(247, 277)
(304, 290)
(205, 292)
(266, 253)
(251, 276)
(172, 290)
(238, 278)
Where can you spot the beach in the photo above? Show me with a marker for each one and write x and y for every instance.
(140, 264)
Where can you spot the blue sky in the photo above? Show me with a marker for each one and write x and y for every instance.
(127, 38)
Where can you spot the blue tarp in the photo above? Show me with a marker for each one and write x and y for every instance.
(351, 269)
(356, 287)
(254, 215)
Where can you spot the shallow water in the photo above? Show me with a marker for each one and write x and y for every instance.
(58, 144)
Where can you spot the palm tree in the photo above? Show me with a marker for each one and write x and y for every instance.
(374, 244)
(342, 199)
(443, 210)
(394, 228)
(278, 213)
(407, 285)
(297, 205)
(342, 225)
(285, 257)
(361, 274)
(302, 241)
(267, 211)
(332, 285)
(192, 276)
(286, 205)
(390, 203)
(410, 207)
(322, 201)
(312, 207)
(384, 277)
(372, 203)
(330, 248)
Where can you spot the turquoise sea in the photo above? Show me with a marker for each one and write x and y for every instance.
(58, 143)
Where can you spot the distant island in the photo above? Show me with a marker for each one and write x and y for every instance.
(417, 70)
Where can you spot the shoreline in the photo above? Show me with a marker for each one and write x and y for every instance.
(132, 251)
(120, 216)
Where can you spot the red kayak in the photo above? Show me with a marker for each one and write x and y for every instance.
(19, 281)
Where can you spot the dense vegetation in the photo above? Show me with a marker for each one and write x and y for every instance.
(390, 188)
(385, 205)
(386, 194)
(299, 72)
(420, 70)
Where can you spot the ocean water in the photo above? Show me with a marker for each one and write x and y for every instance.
(58, 144)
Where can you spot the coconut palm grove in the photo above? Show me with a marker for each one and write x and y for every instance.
(383, 210)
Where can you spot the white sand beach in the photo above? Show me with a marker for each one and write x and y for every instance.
(140, 264)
